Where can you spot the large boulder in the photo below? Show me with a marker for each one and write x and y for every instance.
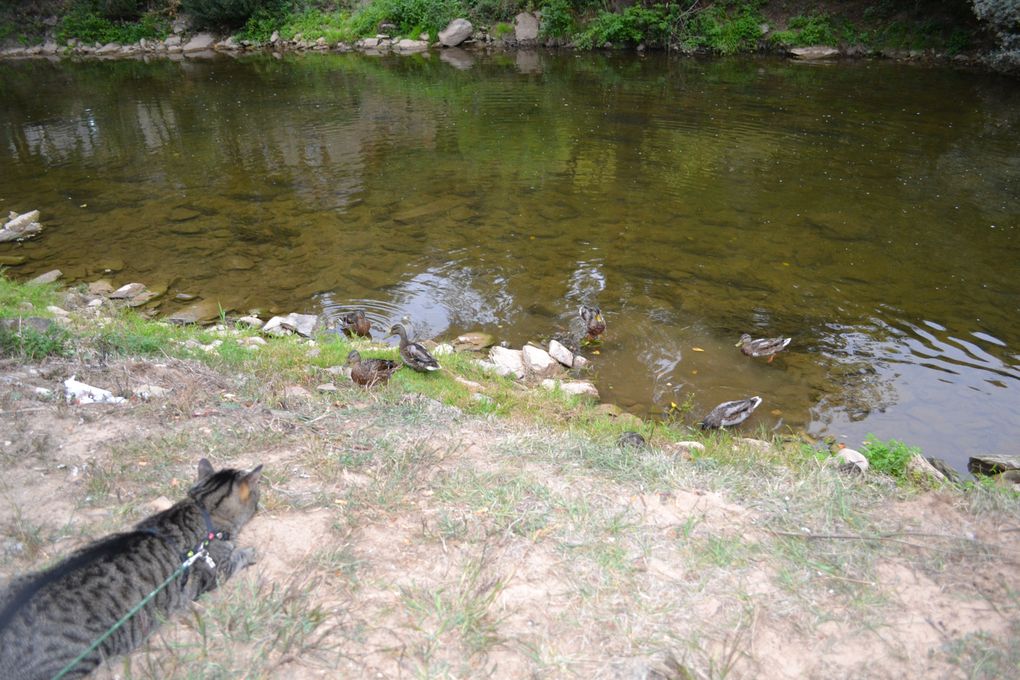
(456, 32)
(814, 52)
(507, 361)
(538, 363)
(21, 226)
(526, 27)
(200, 42)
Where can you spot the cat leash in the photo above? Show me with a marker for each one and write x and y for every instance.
(193, 556)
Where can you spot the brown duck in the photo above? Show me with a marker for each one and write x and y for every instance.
(369, 372)
(412, 353)
(356, 323)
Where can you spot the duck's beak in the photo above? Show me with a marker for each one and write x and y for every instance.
(598, 318)
(739, 343)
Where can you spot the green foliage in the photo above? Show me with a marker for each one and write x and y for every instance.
(411, 17)
(314, 24)
(890, 456)
(259, 27)
(16, 298)
(29, 343)
(633, 26)
(557, 18)
(813, 29)
(718, 30)
(495, 11)
(85, 23)
(229, 13)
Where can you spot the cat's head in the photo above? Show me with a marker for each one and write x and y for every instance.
(231, 496)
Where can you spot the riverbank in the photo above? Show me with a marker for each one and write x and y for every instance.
(939, 33)
(416, 528)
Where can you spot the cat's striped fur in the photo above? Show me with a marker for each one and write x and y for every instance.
(49, 617)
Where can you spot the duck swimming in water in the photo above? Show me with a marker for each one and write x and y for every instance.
(369, 372)
(594, 322)
(762, 347)
(730, 413)
(412, 353)
(356, 323)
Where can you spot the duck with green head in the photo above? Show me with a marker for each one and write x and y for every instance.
(594, 322)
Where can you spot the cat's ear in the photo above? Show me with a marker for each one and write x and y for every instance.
(249, 481)
(205, 469)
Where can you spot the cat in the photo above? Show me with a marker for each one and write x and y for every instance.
(50, 617)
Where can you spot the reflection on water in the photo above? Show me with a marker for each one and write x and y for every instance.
(869, 210)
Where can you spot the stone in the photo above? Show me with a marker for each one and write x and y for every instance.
(922, 472)
(538, 363)
(183, 214)
(200, 42)
(748, 443)
(442, 349)
(20, 227)
(274, 38)
(580, 361)
(473, 341)
(508, 361)
(128, 290)
(526, 27)
(326, 387)
(457, 58)
(57, 311)
(108, 49)
(846, 458)
(100, 287)
(456, 32)
(631, 439)
(572, 387)
(992, 464)
(237, 263)
(302, 324)
(296, 392)
(250, 322)
(147, 392)
(368, 43)
(80, 393)
(12, 260)
(17, 324)
(560, 353)
(684, 449)
(48, 277)
(814, 52)
(201, 312)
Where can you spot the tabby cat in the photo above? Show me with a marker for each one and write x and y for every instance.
(50, 617)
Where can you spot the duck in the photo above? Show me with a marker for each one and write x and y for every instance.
(413, 354)
(356, 323)
(730, 413)
(762, 347)
(594, 322)
(369, 372)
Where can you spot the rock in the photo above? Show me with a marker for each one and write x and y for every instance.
(408, 45)
(508, 361)
(442, 349)
(57, 311)
(572, 387)
(945, 468)
(326, 387)
(296, 392)
(609, 410)
(457, 58)
(473, 341)
(108, 49)
(12, 260)
(18, 324)
(251, 343)
(48, 277)
(127, 291)
(250, 321)
(100, 287)
(147, 392)
(684, 449)
(80, 393)
(274, 38)
(580, 361)
(846, 459)
(632, 439)
(201, 312)
(561, 353)
(922, 472)
(538, 363)
(456, 32)
(200, 42)
(237, 263)
(991, 464)
(748, 443)
(20, 227)
(814, 52)
(526, 27)
(302, 324)
(185, 297)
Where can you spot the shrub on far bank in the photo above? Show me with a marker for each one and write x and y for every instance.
(96, 21)
(219, 14)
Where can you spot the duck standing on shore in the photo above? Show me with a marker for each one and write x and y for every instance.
(368, 372)
(730, 413)
(412, 353)
(762, 347)
(356, 323)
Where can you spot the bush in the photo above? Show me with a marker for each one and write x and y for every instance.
(814, 29)
(890, 457)
(85, 24)
(557, 18)
(229, 13)
(29, 343)
(632, 26)
(716, 30)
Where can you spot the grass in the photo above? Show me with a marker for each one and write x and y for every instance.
(890, 456)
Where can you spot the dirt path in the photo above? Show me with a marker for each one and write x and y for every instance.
(401, 538)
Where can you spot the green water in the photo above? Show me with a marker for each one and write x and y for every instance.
(869, 210)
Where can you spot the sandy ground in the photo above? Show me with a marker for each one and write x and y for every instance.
(400, 538)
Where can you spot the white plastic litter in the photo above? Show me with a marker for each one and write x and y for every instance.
(80, 393)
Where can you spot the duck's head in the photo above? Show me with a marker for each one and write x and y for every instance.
(397, 329)
(353, 358)
(744, 339)
(591, 314)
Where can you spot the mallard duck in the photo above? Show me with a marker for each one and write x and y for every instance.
(368, 372)
(413, 354)
(762, 347)
(594, 322)
(356, 323)
(631, 438)
(730, 413)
